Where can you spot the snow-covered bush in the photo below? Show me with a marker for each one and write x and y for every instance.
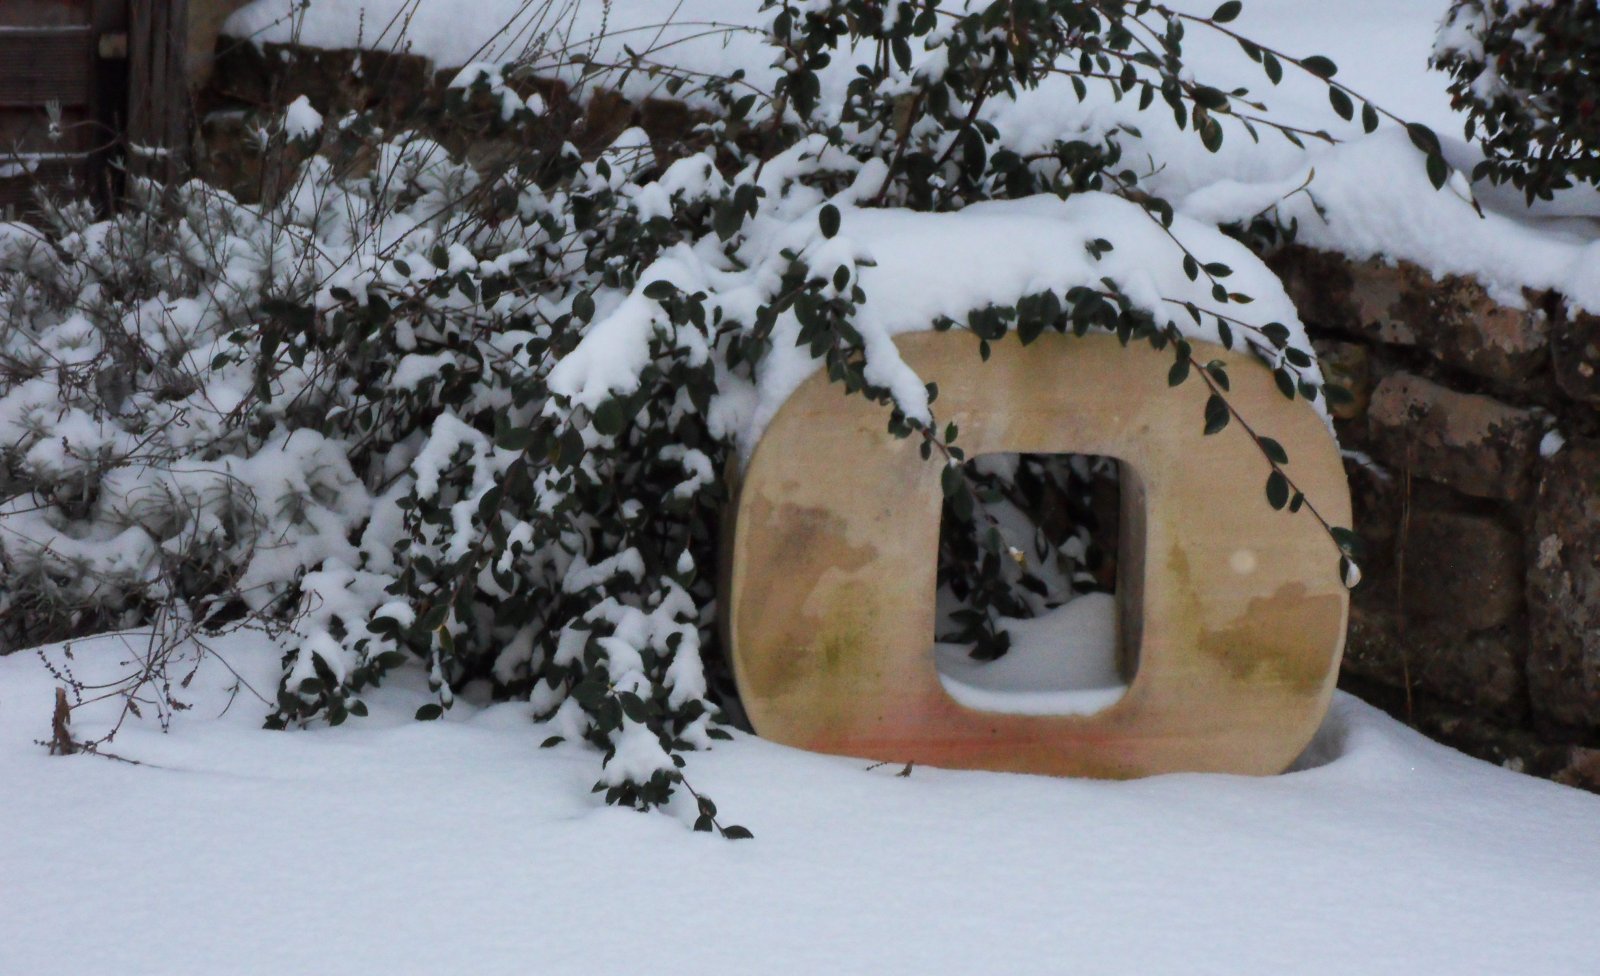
(478, 419)
(158, 450)
(1528, 74)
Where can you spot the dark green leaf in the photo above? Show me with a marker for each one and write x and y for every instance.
(589, 693)
(1227, 11)
(1210, 98)
(1273, 67)
(1341, 103)
(610, 417)
(950, 480)
(1277, 333)
(633, 706)
(583, 305)
(1273, 450)
(828, 220)
(1277, 490)
(1423, 138)
(1320, 66)
(1348, 542)
(515, 439)
(1438, 171)
(1216, 414)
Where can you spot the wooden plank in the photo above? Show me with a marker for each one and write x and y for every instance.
(41, 64)
(44, 13)
(109, 16)
(46, 56)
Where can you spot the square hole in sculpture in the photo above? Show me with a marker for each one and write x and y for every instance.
(1027, 619)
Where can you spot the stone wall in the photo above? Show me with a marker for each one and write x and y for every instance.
(250, 85)
(1478, 620)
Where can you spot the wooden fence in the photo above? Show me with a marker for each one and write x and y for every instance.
(83, 84)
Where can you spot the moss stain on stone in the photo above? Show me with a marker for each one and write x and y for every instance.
(1266, 645)
(805, 542)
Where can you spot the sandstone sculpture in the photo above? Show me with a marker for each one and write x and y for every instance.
(1232, 614)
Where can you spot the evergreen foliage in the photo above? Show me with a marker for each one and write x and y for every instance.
(1527, 72)
(477, 419)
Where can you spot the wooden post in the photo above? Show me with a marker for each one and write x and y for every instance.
(158, 90)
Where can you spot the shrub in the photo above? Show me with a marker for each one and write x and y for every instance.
(476, 419)
(1528, 74)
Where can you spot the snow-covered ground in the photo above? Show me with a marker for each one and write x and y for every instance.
(1062, 662)
(390, 847)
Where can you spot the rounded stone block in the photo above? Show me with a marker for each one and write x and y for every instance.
(1232, 615)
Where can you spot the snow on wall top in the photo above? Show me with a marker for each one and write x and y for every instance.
(710, 35)
(1373, 197)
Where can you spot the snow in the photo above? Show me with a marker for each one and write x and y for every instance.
(1372, 188)
(389, 846)
(932, 266)
(1379, 204)
(300, 120)
(711, 34)
(1062, 662)
(919, 268)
